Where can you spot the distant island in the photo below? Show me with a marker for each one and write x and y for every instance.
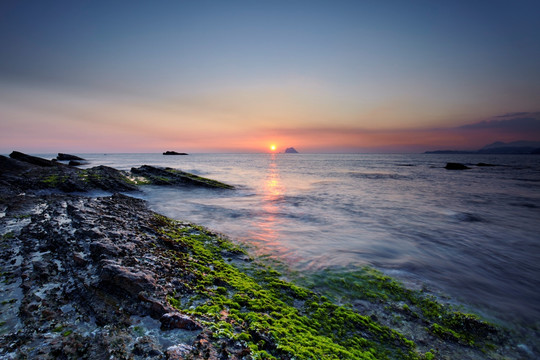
(173, 153)
(291, 150)
(498, 147)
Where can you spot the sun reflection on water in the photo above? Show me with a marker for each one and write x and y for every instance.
(267, 223)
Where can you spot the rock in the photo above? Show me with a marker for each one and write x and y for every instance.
(67, 157)
(173, 153)
(103, 249)
(178, 352)
(168, 176)
(32, 159)
(456, 166)
(108, 179)
(147, 349)
(75, 163)
(177, 320)
(291, 150)
(127, 279)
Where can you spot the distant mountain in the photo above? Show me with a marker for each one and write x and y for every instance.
(499, 147)
(291, 150)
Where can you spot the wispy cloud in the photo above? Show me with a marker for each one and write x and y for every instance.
(514, 122)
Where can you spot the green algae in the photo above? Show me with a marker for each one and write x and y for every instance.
(443, 321)
(250, 303)
(54, 180)
(273, 318)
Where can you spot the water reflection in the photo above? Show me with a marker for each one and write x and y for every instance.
(266, 225)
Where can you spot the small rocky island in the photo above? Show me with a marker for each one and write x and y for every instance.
(174, 153)
(291, 150)
(88, 277)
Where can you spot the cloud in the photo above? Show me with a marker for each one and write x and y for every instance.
(509, 122)
(514, 114)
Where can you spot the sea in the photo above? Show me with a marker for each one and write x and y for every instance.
(474, 235)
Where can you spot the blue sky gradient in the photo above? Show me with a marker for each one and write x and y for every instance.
(237, 75)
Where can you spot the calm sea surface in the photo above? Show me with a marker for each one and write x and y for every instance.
(473, 234)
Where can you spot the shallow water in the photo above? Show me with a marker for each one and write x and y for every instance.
(475, 234)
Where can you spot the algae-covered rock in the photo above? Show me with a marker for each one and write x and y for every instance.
(169, 176)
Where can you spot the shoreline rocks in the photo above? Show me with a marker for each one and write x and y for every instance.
(105, 277)
(22, 172)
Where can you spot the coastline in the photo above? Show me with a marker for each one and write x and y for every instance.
(98, 277)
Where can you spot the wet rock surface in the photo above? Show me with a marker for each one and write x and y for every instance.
(106, 278)
(21, 172)
(168, 176)
(68, 157)
(78, 272)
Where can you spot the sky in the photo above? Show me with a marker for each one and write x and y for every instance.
(237, 76)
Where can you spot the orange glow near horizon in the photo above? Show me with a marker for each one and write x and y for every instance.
(273, 147)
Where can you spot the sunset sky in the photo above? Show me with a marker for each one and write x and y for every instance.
(238, 76)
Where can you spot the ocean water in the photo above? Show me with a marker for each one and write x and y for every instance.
(473, 234)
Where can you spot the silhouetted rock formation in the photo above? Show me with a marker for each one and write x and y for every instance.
(32, 159)
(291, 150)
(67, 157)
(173, 153)
(23, 172)
(456, 166)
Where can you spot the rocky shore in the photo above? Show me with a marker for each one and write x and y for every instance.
(88, 277)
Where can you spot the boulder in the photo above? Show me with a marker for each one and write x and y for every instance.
(168, 176)
(108, 179)
(127, 279)
(67, 157)
(32, 159)
(176, 320)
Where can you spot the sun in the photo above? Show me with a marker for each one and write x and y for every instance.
(273, 147)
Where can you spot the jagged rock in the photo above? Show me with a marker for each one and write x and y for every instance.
(177, 320)
(103, 249)
(130, 280)
(74, 163)
(178, 352)
(32, 159)
(456, 166)
(109, 179)
(67, 157)
(147, 349)
(168, 176)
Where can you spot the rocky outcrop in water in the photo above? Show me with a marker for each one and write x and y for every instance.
(22, 172)
(456, 166)
(168, 176)
(68, 157)
(291, 150)
(174, 153)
